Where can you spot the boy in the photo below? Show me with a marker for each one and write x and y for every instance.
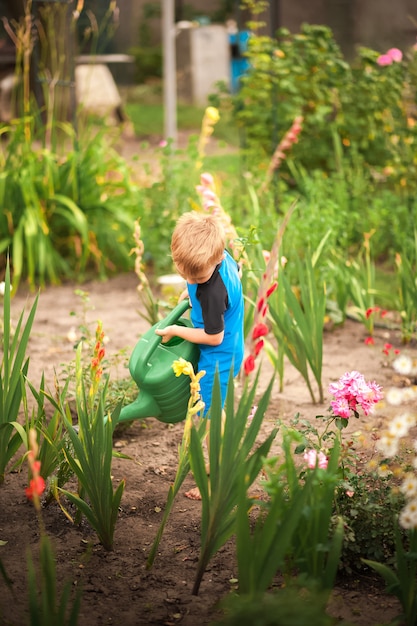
(215, 293)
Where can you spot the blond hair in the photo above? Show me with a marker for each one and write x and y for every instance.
(198, 242)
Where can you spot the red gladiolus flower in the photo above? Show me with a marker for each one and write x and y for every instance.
(259, 331)
(260, 304)
(369, 341)
(271, 289)
(249, 364)
(258, 346)
(36, 487)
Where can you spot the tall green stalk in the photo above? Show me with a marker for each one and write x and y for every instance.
(92, 459)
(232, 458)
(13, 369)
(297, 323)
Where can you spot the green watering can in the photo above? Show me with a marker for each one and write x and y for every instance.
(161, 394)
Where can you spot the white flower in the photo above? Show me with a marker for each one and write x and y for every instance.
(408, 516)
(384, 470)
(72, 335)
(3, 288)
(409, 485)
(409, 393)
(411, 419)
(401, 424)
(394, 396)
(388, 445)
(403, 364)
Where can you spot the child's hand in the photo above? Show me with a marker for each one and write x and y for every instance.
(183, 295)
(166, 333)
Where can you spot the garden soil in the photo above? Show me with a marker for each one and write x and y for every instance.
(116, 586)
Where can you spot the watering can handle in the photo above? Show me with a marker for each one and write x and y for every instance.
(171, 318)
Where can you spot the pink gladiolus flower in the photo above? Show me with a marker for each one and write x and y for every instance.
(206, 179)
(266, 255)
(314, 459)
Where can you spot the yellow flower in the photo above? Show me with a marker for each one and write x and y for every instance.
(213, 114)
(199, 406)
(181, 366)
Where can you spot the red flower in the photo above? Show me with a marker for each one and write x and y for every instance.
(387, 348)
(369, 341)
(258, 346)
(260, 304)
(371, 310)
(259, 331)
(249, 364)
(271, 289)
(36, 487)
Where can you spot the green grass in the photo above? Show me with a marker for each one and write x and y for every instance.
(144, 107)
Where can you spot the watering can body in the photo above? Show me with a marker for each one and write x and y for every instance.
(161, 394)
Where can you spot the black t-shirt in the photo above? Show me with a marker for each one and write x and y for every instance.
(213, 299)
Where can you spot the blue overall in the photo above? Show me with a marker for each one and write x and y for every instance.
(217, 306)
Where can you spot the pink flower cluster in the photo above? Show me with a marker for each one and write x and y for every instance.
(289, 139)
(315, 459)
(209, 197)
(393, 55)
(211, 203)
(352, 392)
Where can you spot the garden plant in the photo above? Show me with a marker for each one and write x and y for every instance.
(321, 220)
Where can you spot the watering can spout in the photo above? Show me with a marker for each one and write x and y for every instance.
(144, 406)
